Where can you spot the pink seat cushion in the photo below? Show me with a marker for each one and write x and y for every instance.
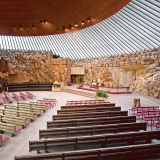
(157, 125)
(27, 122)
(35, 116)
(17, 129)
(4, 138)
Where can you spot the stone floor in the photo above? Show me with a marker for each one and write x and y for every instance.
(19, 144)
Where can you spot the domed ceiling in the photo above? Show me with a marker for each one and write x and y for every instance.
(48, 17)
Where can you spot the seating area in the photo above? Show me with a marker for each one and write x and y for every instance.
(148, 114)
(106, 134)
(8, 97)
(13, 118)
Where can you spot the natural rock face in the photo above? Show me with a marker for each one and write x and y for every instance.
(140, 72)
(36, 67)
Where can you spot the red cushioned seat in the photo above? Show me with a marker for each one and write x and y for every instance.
(35, 116)
(17, 129)
(4, 138)
(27, 122)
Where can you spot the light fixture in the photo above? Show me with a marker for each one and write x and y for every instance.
(33, 25)
(82, 22)
(76, 25)
(41, 21)
(13, 26)
(26, 26)
(45, 21)
(20, 26)
(63, 27)
(88, 19)
(70, 26)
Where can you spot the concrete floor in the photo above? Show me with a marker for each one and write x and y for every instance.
(19, 144)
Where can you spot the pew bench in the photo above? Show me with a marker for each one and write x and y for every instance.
(15, 96)
(23, 96)
(52, 101)
(84, 110)
(30, 95)
(89, 115)
(102, 140)
(21, 108)
(9, 98)
(95, 129)
(28, 115)
(3, 138)
(1, 99)
(9, 128)
(88, 106)
(90, 121)
(132, 152)
(14, 120)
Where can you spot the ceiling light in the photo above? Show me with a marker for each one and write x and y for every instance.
(63, 28)
(76, 25)
(45, 21)
(88, 19)
(33, 25)
(70, 26)
(82, 22)
(26, 26)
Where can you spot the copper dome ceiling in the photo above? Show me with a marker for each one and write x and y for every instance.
(47, 17)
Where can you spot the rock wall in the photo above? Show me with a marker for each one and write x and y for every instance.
(36, 67)
(140, 71)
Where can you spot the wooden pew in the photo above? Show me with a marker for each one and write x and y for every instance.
(21, 108)
(89, 115)
(102, 140)
(9, 98)
(23, 96)
(1, 99)
(14, 95)
(90, 121)
(14, 120)
(24, 114)
(30, 105)
(3, 138)
(9, 128)
(88, 106)
(84, 110)
(95, 129)
(30, 95)
(132, 152)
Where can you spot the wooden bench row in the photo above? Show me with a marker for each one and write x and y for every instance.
(11, 128)
(14, 120)
(29, 105)
(24, 114)
(95, 129)
(102, 140)
(8, 97)
(131, 152)
(35, 110)
(85, 110)
(89, 115)
(90, 121)
(89, 106)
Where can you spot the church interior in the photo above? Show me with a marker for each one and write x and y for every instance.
(80, 80)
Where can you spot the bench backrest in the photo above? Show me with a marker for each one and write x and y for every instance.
(95, 129)
(83, 110)
(92, 105)
(103, 140)
(90, 121)
(133, 152)
(7, 127)
(89, 115)
(85, 106)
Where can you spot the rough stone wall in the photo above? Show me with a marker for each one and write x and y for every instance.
(36, 67)
(140, 71)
